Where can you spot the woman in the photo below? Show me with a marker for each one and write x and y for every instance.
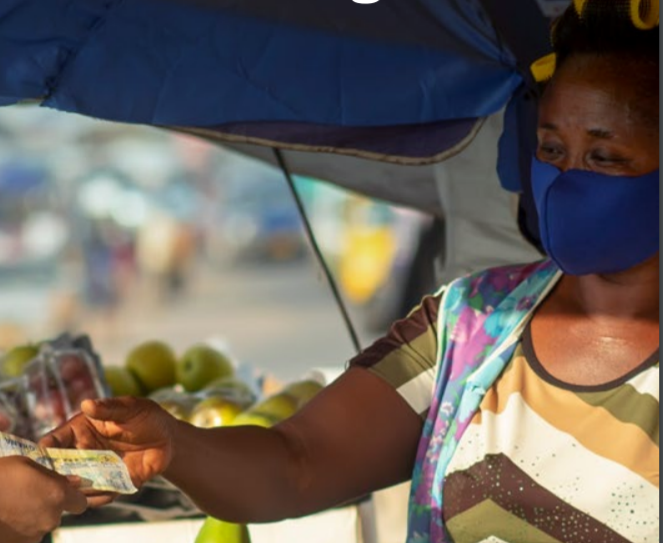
(526, 397)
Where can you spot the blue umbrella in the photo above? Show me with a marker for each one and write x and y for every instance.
(401, 82)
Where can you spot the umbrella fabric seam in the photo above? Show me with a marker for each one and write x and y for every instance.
(358, 153)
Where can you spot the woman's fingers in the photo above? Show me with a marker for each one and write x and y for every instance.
(74, 501)
(63, 436)
(118, 410)
(98, 500)
(75, 481)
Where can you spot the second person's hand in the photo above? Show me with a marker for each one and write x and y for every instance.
(138, 430)
(33, 500)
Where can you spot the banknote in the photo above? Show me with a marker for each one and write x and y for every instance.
(103, 471)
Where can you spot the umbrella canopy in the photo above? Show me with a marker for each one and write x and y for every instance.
(401, 82)
(372, 97)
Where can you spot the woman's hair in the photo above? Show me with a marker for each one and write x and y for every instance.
(605, 28)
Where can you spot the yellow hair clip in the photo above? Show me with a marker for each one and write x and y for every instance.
(580, 6)
(544, 68)
(644, 13)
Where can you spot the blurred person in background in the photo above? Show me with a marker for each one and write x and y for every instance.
(165, 250)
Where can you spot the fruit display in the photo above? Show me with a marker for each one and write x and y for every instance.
(202, 386)
(43, 385)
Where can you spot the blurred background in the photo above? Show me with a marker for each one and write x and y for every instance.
(129, 233)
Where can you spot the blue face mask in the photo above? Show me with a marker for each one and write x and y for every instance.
(596, 223)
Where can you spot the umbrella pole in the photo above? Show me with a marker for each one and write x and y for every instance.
(316, 250)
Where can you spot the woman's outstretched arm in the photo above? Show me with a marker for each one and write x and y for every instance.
(356, 436)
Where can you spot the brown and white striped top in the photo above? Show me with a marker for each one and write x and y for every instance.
(407, 356)
(543, 461)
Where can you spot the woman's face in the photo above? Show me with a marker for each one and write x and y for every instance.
(593, 117)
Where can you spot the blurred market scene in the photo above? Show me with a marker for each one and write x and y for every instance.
(123, 242)
(129, 233)
(147, 262)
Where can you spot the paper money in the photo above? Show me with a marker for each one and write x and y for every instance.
(103, 471)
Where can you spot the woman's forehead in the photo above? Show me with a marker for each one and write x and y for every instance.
(593, 89)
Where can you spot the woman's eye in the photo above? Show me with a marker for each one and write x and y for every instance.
(607, 159)
(550, 151)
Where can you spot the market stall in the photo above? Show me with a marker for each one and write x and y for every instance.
(400, 102)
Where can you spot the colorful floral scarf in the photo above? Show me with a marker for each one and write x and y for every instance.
(481, 318)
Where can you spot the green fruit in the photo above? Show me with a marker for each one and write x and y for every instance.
(249, 418)
(153, 365)
(200, 365)
(303, 391)
(279, 406)
(218, 531)
(214, 413)
(122, 382)
(15, 360)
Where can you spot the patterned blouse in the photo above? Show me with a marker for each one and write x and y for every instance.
(536, 459)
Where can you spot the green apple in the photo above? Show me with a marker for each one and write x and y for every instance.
(152, 364)
(279, 406)
(122, 382)
(251, 418)
(15, 360)
(218, 531)
(303, 391)
(214, 412)
(200, 365)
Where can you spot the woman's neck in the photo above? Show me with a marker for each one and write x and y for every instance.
(633, 294)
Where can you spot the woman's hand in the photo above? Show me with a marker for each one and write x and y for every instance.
(33, 499)
(138, 430)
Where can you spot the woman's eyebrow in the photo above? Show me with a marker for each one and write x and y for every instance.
(601, 133)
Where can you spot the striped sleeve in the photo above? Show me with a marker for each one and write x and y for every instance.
(407, 356)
